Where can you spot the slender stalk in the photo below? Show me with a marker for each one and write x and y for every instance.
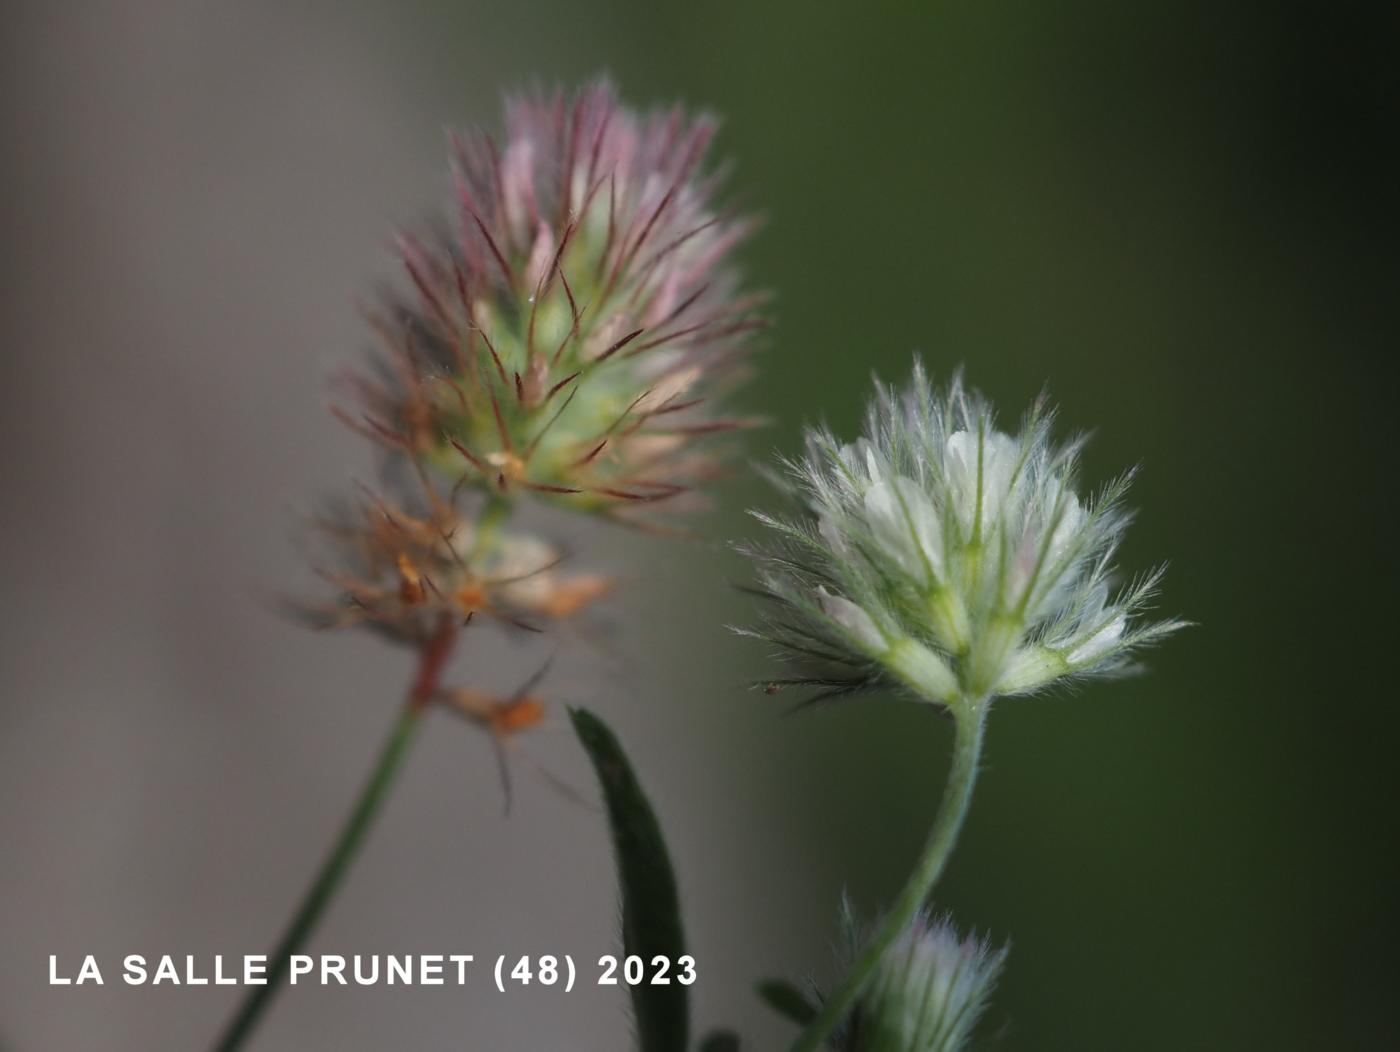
(431, 659)
(952, 809)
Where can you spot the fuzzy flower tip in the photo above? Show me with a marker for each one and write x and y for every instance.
(575, 332)
(928, 992)
(942, 555)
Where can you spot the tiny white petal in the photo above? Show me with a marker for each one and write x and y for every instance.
(862, 461)
(1000, 456)
(853, 618)
(906, 525)
(1058, 574)
(1100, 643)
(1041, 562)
(1071, 520)
(996, 455)
(1021, 567)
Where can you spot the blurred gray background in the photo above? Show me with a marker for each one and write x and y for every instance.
(1170, 212)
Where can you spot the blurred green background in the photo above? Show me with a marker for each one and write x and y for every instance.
(1172, 214)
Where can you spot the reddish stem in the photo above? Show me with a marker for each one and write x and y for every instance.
(431, 661)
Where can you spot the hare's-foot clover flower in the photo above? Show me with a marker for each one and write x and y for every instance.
(928, 992)
(951, 560)
(575, 335)
(942, 555)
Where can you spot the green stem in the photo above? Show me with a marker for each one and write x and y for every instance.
(352, 835)
(962, 775)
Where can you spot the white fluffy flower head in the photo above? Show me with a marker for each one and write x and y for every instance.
(946, 556)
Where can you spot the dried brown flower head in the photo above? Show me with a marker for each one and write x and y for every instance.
(403, 573)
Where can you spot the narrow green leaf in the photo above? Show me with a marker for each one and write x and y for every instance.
(651, 916)
(787, 1000)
